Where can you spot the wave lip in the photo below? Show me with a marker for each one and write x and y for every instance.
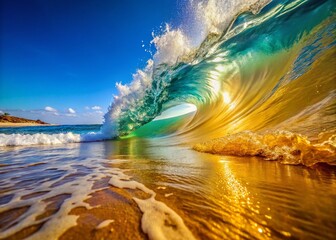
(284, 146)
(253, 58)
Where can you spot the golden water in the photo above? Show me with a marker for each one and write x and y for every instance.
(217, 197)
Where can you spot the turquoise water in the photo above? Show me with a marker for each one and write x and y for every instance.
(77, 129)
(273, 69)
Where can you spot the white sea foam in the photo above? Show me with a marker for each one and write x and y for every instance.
(49, 139)
(171, 45)
(38, 139)
(53, 227)
(161, 222)
(213, 16)
(287, 147)
(128, 95)
(158, 221)
(105, 223)
(93, 137)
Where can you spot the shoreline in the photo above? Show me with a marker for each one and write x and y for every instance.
(10, 125)
(114, 212)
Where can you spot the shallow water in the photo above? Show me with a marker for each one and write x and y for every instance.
(64, 191)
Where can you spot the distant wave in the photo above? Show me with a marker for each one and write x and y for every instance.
(48, 139)
(37, 139)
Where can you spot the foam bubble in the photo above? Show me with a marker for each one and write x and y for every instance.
(105, 223)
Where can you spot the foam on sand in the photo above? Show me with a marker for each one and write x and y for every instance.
(105, 223)
(287, 147)
(78, 191)
(159, 221)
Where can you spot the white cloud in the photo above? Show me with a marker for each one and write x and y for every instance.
(50, 109)
(1, 112)
(96, 108)
(70, 110)
(99, 112)
(87, 108)
(89, 117)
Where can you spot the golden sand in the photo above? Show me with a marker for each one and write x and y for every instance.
(23, 124)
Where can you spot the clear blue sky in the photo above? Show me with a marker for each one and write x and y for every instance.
(61, 54)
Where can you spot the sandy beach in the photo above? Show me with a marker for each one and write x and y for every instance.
(5, 125)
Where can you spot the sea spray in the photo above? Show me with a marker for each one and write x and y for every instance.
(141, 101)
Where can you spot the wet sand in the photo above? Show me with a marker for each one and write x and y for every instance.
(217, 197)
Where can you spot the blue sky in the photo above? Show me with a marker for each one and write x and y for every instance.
(60, 59)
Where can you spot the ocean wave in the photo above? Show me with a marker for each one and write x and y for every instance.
(49, 139)
(141, 101)
(251, 66)
(38, 139)
(257, 65)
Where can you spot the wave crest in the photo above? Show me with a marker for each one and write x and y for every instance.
(252, 62)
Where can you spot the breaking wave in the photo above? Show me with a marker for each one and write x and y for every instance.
(263, 67)
(255, 66)
(18, 139)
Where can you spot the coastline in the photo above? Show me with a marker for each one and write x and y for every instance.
(9, 125)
